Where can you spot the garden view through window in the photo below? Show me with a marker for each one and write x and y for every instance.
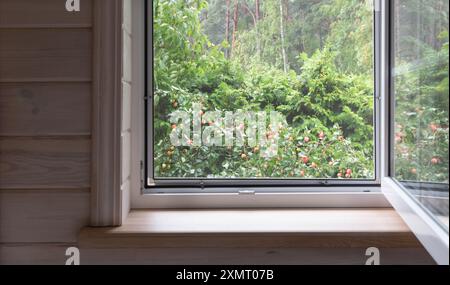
(263, 89)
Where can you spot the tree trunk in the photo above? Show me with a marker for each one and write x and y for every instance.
(257, 10)
(283, 45)
(397, 28)
(258, 40)
(255, 25)
(286, 11)
(249, 12)
(235, 25)
(227, 29)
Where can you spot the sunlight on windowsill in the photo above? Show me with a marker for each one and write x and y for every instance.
(256, 227)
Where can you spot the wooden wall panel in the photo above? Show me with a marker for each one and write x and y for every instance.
(43, 13)
(33, 109)
(45, 55)
(44, 163)
(46, 65)
(54, 254)
(37, 254)
(252, 256)
(42, 216)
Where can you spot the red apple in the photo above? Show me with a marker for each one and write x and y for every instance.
(434, 127)
(321, 135)
(305, 159)
(400, 135)
(306, 139)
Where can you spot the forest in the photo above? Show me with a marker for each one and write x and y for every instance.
(310, 60)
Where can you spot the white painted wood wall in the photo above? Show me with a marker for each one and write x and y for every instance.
(45, 128)
(46, 82)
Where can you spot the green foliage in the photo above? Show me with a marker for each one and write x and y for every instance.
(326, 96)
(350, 27)
(345, 26)
(422, 124)
(333, 97)
(327, 156)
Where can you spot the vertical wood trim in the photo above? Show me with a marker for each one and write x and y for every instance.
(107, 109)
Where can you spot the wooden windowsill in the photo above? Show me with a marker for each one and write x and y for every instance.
(254, 228)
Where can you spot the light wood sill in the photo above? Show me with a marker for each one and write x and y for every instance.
(284, 228)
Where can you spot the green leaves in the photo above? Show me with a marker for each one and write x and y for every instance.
(329, 111)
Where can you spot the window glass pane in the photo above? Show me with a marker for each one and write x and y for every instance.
(422, 101)
(253, 89)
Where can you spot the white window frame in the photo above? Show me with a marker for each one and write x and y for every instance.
(433, 236)
(429, 232)
(267, 185)
(340, 195)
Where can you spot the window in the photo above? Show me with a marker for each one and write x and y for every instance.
(421, 105)
(325, 71)
(256, 92)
